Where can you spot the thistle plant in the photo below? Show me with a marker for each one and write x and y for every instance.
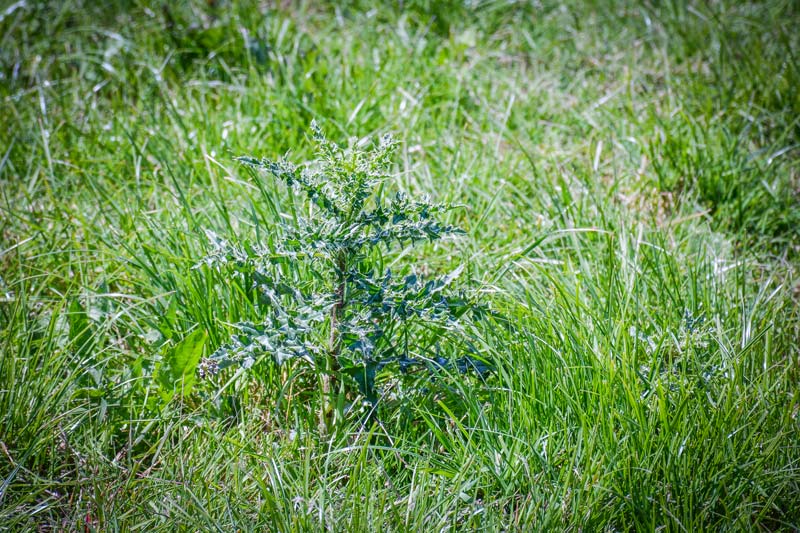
(321, 291)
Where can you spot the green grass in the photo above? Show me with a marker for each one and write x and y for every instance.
(630, 177)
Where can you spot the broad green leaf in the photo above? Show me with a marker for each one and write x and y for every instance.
(80, 329)
(177, 371)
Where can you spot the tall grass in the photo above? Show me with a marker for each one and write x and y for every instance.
(630, 173)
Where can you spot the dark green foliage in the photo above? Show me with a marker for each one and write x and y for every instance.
(346, 316)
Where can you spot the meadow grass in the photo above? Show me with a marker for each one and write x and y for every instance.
(629, 173)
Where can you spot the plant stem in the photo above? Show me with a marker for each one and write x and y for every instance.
(336, 310)
(334, 343)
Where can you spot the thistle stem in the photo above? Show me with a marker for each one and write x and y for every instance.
(334, 343)
(336, 310)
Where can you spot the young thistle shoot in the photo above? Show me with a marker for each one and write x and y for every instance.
(340, 313)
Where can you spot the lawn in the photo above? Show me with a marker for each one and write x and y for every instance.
(627, 178)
